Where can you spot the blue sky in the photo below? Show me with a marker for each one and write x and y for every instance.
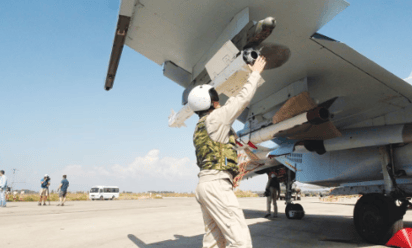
(56, 118)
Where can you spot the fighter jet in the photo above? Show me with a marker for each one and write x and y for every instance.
(338, 119)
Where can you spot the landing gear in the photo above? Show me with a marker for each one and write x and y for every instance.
(294, 211)
(377, 217)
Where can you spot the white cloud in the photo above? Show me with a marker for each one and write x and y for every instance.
(150, 172)
(154, 166)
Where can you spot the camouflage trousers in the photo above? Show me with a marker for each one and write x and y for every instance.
(224, 220)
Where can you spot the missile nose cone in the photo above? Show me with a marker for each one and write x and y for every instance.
(269, 22)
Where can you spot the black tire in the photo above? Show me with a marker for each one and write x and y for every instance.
(299, 207)
(374, 217)
(295, 207)
(287, 209)
(92, 199)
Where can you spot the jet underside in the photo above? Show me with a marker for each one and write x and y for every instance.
(348, 166)
(347, 90)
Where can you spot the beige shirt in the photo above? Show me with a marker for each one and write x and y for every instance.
(219, 122)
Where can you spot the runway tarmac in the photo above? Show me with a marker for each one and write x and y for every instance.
(171, 222)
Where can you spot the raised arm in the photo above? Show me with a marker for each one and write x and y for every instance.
(235, 105)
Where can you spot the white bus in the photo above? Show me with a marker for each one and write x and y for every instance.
(104, 192)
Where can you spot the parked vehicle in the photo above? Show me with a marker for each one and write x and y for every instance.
(104, 192)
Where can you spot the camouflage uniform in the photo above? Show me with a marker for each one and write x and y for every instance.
(215, 144)
(212, 155)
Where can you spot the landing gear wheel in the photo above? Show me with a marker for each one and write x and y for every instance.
(377, 218)
(294, 211)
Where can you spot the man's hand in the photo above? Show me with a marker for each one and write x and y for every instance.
(259, 64)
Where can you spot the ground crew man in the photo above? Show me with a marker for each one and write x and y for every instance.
(215, 144)
(273, 189)
(44, 191)
(64, 184)
(3, 189)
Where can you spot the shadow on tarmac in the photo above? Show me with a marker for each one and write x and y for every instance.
(334, 203)
(311, 231)
(179, 241)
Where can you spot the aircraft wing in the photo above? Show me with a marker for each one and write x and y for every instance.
(183, 35)
(315, 83)
(187, 33)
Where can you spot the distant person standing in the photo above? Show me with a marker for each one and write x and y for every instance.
(44, 191)
(3, 189)
(63, 190)
(273, 189)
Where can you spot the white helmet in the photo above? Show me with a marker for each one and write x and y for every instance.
(46, 175)
(201, 97)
